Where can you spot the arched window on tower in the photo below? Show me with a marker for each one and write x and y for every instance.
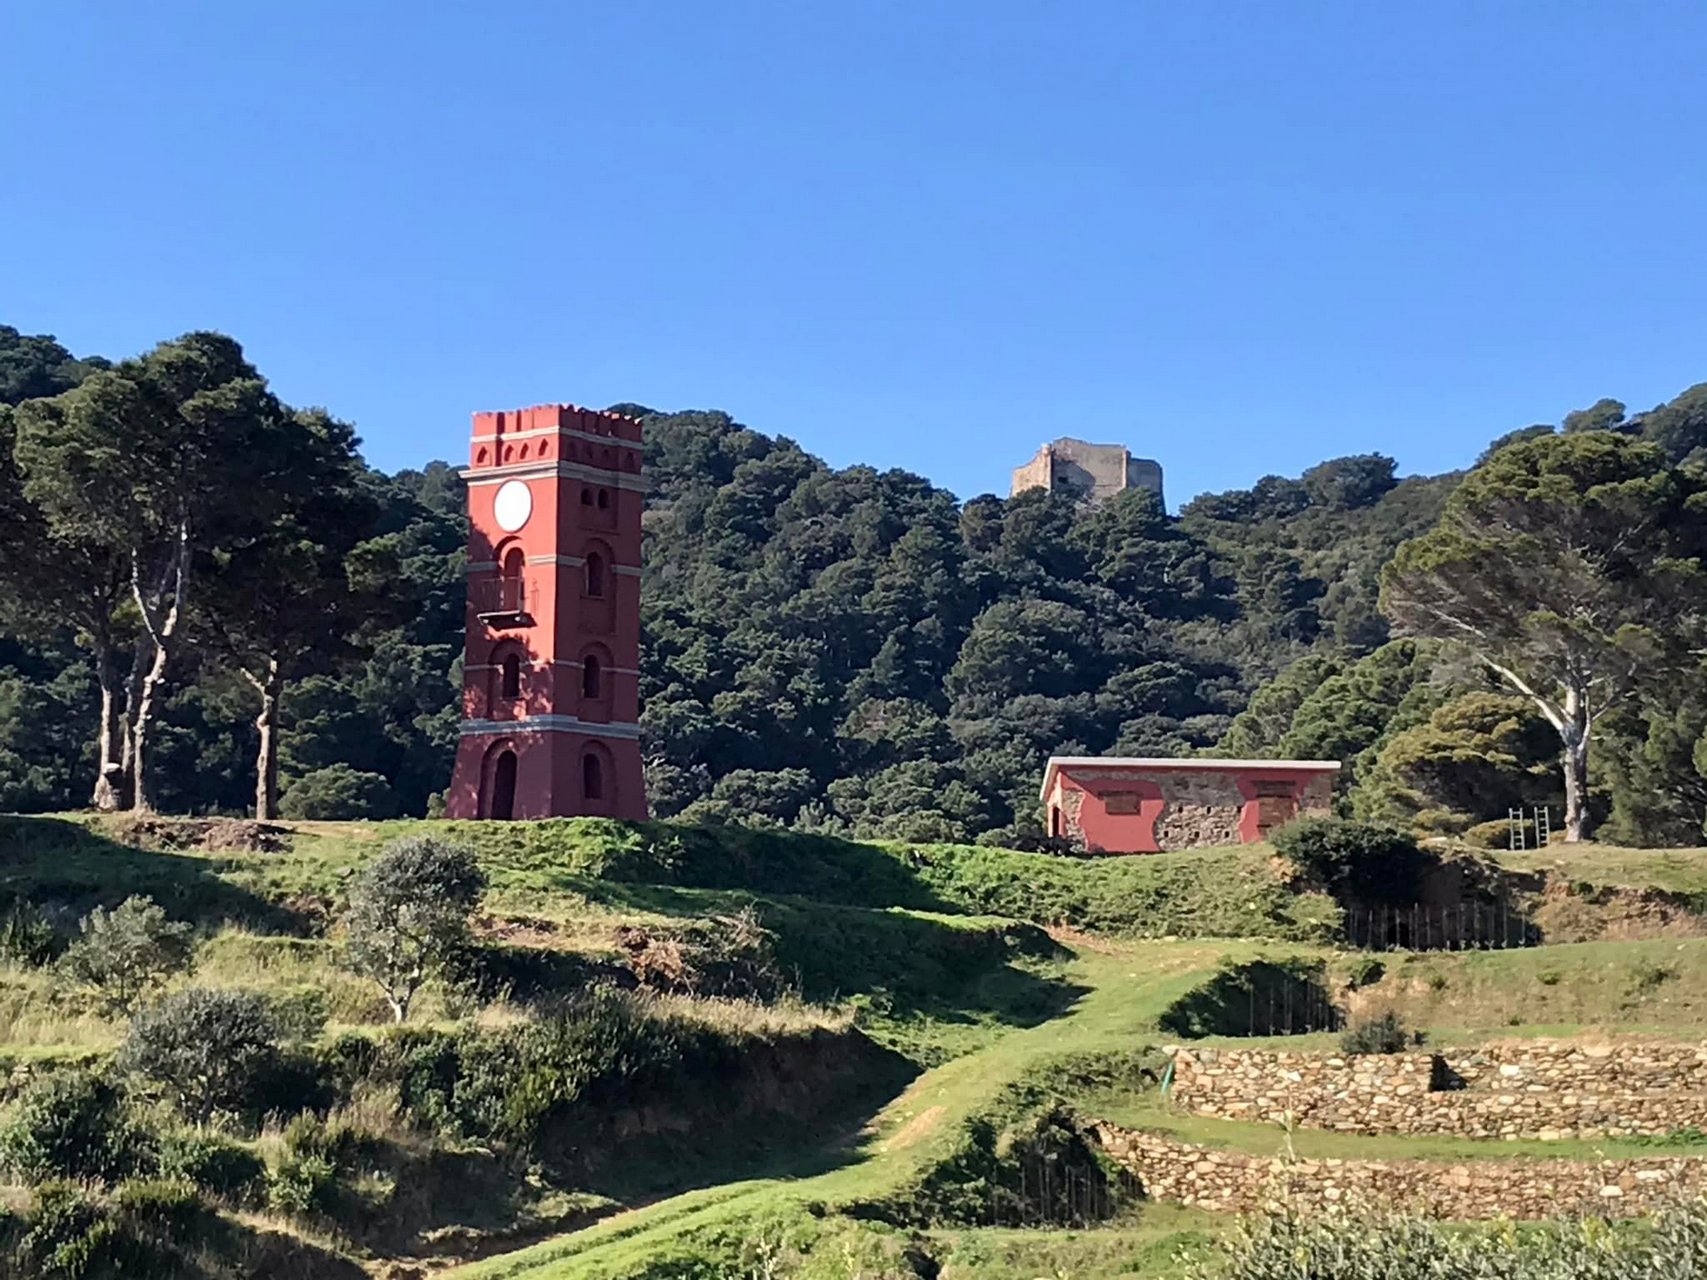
(595, 574)
(604, 498)
(510, 581)
(592, 777)
(586, 497)
(510, 686)
(592, 677)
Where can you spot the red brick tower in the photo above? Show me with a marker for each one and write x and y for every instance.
(551, 698)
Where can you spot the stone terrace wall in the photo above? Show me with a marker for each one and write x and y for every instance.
(1233, 1182)
(1536, 1089)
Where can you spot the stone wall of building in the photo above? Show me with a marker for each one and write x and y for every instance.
(1235, 1182)
(1198, 810)
(1093, 472)
(1546, 1089)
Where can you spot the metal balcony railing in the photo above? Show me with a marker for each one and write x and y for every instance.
(501, 602)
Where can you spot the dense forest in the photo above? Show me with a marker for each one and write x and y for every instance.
(210, 603)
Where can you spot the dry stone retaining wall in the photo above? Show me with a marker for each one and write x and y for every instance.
(1530, 1089)
(1235, 1182)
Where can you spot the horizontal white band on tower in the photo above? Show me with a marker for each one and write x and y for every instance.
(550, 724)
(612, 478)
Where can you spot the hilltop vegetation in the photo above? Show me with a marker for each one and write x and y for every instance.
(848, 652)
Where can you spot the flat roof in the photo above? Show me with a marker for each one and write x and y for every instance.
(1201, 763)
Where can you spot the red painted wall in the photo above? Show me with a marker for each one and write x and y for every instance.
(582, 471)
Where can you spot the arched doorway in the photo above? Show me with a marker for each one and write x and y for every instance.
(503, 786)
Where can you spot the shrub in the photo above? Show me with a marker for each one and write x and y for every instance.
(27, 936)
(513, 1084)
(145, 1230)
(409, 914)
(304, 1184)
(209, 1050)
(317, 1160)
(1363, 861)
(71, 1124)
(165, 1213)
(69, 1235)
(1385, 1034)
(214, 1164)
(338, 793)
(124, 952)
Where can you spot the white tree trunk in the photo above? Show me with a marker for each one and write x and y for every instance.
(1575, 762)
(110, 735)
(161, 611)
(270, 686)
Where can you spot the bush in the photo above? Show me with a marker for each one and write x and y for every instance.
(304, 1185)
(409, 914)
(209, 1050)
(68, 1234)
(147, 1230)
(125, 952)
(338, 793)
(317, 1160)
(1385, 1034)
(72, 1124)
(27, 936)
(213, 1164)
(1362, 861)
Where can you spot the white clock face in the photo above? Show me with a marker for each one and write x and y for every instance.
(512, 506)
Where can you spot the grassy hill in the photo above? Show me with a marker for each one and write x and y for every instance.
(934, 1005)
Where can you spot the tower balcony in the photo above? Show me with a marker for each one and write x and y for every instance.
(501, 603)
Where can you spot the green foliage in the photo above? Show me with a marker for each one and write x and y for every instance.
(1339, 1247)
(338, 793)
(315, 1167)
(1385, 1033)
(1480, 755)
(126, 952)
(1360, 862)
(513, 1084)
(72, 1124)
(208, 1051)
(215, 1165)
(144, 1230)
(1593, 518)
(409, 913)
(27, 936)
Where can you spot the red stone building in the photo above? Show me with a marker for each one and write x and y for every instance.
(1127, 804)
(551, 699)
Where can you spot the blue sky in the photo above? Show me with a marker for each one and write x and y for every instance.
(1239, 237)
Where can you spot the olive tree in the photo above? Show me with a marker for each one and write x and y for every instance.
(408, 914)
(206, 1049)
